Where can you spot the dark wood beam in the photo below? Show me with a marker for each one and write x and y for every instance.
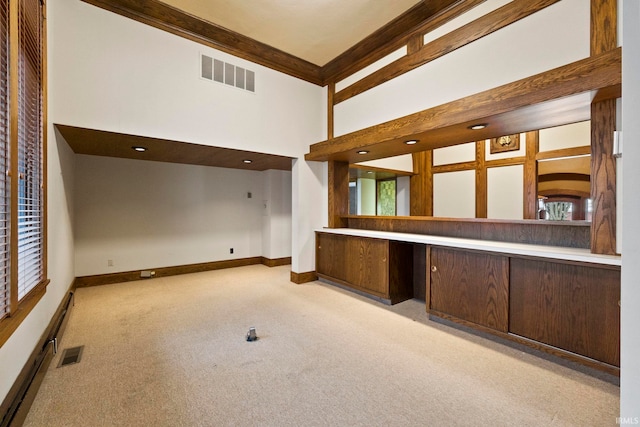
(530, 181)
(421, 183)
(552, 98)
(338, 194)
(167, 18)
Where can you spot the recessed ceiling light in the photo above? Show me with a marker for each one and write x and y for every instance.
(139, 149)
(363, 152)
(247, 161)
(478, 126)
(411, 142)
(369, 172)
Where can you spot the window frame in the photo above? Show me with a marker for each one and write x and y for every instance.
(19, 309)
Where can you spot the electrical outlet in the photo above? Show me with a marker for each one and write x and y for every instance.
(109, 263)
(231, 250)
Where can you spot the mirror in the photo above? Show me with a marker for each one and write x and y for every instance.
(564, 188)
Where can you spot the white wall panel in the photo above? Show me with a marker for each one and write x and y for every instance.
(454, 194)
(505, 197)
(455, 154)
(567, 136)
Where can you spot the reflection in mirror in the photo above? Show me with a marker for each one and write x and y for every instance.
(564, 188)
(376, 191)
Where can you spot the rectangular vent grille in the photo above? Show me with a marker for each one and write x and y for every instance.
(70, 356)
(228, 74)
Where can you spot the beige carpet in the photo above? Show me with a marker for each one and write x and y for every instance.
(172, 352)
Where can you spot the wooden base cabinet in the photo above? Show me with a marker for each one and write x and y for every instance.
(470, 286)
(378, 267)
(571, 307)
(567, 309)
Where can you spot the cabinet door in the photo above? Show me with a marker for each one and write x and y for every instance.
(330, 255)
(571, 307)
(470, 286)
(368, 264)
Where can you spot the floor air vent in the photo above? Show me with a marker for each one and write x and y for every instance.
(70, 356)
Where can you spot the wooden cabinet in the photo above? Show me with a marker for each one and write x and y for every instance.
(572, 307)
(470, 286)
(379, 267)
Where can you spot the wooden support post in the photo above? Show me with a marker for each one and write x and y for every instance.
(530, 189)
(338, 193)
(421, 194)
(481, 180)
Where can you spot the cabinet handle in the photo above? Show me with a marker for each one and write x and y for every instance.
(434, 268)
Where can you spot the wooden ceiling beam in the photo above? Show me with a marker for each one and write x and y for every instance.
(559, 96)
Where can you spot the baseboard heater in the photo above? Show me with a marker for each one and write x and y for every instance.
(33, 373)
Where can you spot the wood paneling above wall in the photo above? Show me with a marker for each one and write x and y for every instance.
(553, 98)
(112, 144)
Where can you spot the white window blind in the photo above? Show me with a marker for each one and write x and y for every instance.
(30, 197)
(5, 277)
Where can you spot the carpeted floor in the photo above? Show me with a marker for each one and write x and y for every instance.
(172, 352)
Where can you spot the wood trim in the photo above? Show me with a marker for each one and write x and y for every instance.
(338, 193)
(331, 91)
(481, 180)
(415, 43)
(481, 27)
(306, 277)
(535, 102)
(530, 182)
(421, 19)
(276, 262)
(603, 178)
(572, 234)
(130, 276)
(45, 132)
(563, 152)
(473, 328)
(167, 18)
(421, 184)
(454, 167)
(505, 162)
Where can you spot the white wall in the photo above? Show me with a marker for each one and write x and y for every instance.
(553, 37)
(366, 190)
(403, 194)
(276, 214)
(567, 136)
(123, 76)
(454, 194)
(142, 214)
(16, 350)
(505, 195)
(630, 314)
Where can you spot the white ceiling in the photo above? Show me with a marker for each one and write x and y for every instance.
(314, 30)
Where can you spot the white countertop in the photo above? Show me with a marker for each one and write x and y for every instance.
(551, 252)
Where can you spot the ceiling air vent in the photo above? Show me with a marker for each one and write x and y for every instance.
(223, 72)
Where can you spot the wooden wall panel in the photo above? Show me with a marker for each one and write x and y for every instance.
(572, 234)
(421, 193)
(338, 193)
(420, 272)
(401, 271)
(471, 286)
(571, 307)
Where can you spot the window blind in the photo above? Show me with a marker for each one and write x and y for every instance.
(30, 190)
(5, 214)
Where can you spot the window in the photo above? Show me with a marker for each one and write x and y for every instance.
(386, 197)
(23, 159)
